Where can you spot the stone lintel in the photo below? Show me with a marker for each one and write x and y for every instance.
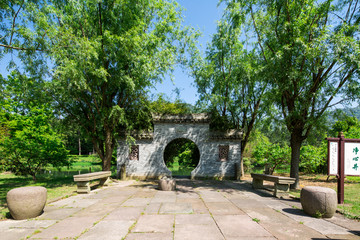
(181, 118)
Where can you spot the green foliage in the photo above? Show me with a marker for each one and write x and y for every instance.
(229, 79)
(309, 57)
(182, 153)
(350, 126)
(344, 124)
(272, 155)
(31, 143)
(247, 164)
(102, 56)
(163, 105)
(313, 159)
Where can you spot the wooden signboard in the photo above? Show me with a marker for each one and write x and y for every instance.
(343, 160)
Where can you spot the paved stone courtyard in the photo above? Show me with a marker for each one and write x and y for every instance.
(197, 210)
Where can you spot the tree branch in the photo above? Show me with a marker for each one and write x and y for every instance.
(257, 32)
(13, 24)
(20, 48)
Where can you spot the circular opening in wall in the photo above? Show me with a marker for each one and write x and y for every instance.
(181, 156)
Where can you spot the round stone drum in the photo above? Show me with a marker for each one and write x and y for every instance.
(318, 201)
(167, 184)
(26, 202)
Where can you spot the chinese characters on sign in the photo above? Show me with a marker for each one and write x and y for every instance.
(333, 158)
(343, 159)
(352, 155)
(352, 158)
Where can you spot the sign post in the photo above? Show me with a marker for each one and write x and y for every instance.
(343, 159)
(341, 172)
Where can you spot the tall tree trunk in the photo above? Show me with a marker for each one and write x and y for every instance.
(295, 144)
(79, 144)
(109, 147)
(242, 173)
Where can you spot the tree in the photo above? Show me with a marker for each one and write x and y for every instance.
(105, 55)
(162, 105)
(272, 154)
(350, 126)
(31, 144)
(311, 53)
(28, 140)
(229, 81)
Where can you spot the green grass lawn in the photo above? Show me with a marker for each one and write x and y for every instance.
(57, 187)
(178, 170)
(58, 182)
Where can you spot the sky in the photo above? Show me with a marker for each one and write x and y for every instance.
(202, 15)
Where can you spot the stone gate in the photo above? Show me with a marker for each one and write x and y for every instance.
(219, 151)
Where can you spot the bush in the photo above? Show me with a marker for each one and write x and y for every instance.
(313, 159)
(31, 143)
(247, 164)
(272, 155)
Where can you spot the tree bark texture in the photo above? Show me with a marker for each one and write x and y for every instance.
(295, 144)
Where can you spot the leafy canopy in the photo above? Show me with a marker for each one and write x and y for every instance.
(101, 57)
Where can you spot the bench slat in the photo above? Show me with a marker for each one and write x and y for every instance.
(91, 176)
(271, 178)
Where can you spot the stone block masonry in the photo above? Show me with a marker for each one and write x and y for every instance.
(219, 151)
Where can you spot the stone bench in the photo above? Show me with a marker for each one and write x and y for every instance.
(281, 184)
(83, 180)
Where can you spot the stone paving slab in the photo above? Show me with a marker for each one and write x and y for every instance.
(115, 199)
(82, 203)
(176, 208)
(198, 232)
(223, 208)
(194, 219)
(248, 203)
(344, 222)
(16, 233)
(4, 225)
(199, 207)
(212, 196)
(58, 213)
(145, 194)
(153, 208)
(97, 210)
(240, 226)
(155, 223)
(321, 225)
(109, 230)
(125, 213)
(68, 228)
(149, 236)
(197, 210)
(280, 226)
(164, 196)
(35, 224)
(136, 202)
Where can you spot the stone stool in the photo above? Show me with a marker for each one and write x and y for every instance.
(26, 202)
(167, 184)
(318, 201)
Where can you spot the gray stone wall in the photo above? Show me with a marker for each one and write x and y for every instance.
(151, 152)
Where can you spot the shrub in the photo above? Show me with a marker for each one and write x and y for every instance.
(273, 155)
(31, 143)
(313, 159)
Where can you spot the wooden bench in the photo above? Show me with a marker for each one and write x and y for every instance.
(281, 184)
(83, 180)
